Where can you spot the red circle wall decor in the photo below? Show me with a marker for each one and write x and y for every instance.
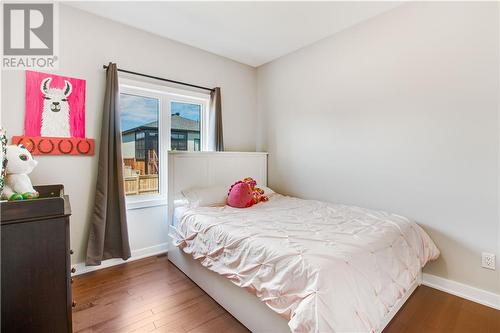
(56, 145)
(45, 151)
(60, 146)
(89, 146)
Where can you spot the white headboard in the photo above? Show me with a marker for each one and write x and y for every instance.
(202, 169)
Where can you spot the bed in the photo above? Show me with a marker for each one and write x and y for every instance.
(291, 264)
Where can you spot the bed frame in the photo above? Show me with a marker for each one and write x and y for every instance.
(200, 169)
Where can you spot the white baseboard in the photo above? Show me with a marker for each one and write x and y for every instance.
(136, 255)
(462, 290)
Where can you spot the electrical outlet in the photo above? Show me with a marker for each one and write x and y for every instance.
(488, 260)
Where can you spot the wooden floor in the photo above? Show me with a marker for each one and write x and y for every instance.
(152, 295)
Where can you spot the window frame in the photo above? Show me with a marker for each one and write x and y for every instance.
(165, 95)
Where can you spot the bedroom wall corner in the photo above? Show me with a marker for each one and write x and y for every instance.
(400, 113)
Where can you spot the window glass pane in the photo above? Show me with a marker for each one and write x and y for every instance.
(139, 123)
(185, 126)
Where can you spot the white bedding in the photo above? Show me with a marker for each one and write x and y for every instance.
(178, 214)
(324, 267)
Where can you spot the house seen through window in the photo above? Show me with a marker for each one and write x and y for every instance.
(151, 120)
(185, 126)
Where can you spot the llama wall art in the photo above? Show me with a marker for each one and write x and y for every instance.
(54, 120)
(56, 109)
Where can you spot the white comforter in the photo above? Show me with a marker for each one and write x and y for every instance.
(324, 267)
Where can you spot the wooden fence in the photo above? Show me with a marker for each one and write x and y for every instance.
(140, 184)
(135, 166)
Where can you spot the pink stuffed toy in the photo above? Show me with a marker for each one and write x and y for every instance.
(240, 195)
(245, 194)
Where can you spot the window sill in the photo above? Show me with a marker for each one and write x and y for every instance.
(145, 203)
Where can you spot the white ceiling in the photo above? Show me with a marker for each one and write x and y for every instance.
(249, 32)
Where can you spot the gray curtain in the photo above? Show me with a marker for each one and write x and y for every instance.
(216, 138)
(108, 236)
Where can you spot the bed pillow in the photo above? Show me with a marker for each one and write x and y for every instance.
(240, 195)
(206, 196)
(267, 190)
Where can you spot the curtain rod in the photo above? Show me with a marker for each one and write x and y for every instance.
(161, 79)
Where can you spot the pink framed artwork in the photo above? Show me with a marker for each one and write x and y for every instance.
(54, 121)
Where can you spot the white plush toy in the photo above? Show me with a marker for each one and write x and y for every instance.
(17, 183)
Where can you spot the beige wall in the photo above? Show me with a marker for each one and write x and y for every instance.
(398, 113)
(87, 42)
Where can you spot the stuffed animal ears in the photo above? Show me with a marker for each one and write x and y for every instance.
(250, 181)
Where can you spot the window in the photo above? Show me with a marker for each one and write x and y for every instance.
(185, 126)
(155, 119)
(139, 116)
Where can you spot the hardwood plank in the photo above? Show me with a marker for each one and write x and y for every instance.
(431, 310)
(190, 317)
(132, 305)
(170, 312)
(220, 324)
(152, 295)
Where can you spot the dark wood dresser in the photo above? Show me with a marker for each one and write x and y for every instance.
(36, 264)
